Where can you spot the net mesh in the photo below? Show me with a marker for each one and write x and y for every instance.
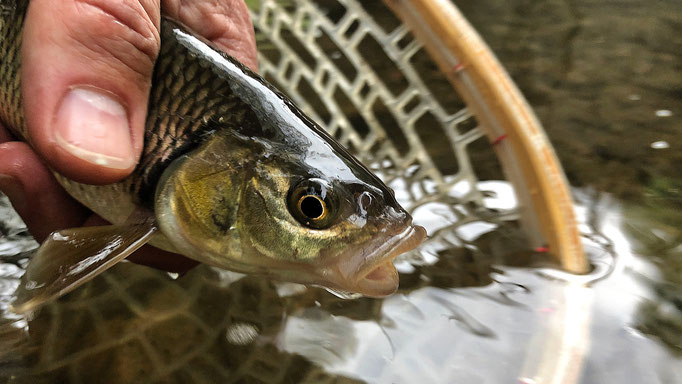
(360, 73)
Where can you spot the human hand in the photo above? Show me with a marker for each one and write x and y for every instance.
(86, 76)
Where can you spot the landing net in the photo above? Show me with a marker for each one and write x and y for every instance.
(416, 94)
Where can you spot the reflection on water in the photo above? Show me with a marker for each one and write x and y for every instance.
(656, 234)
(470, 309)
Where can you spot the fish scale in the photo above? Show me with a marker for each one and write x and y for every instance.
(11, 20)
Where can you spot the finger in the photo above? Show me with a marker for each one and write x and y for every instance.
(35, 194)
(5, 135)
(86, 70)
(226, 23)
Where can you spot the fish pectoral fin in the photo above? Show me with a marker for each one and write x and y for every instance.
(71, 257)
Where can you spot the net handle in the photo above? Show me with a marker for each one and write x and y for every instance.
(525, 153)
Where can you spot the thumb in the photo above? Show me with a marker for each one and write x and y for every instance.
(86, 75)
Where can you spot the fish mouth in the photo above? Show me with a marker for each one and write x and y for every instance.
(375, 275)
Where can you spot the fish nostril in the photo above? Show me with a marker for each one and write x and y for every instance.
(365, 201)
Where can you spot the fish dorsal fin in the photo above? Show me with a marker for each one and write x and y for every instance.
(71, 257)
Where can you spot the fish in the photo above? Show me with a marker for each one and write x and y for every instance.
(233, 175)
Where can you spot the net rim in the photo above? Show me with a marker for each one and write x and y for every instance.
(527, 157)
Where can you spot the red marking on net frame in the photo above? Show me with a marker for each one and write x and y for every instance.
(499, 139)
(457, 68)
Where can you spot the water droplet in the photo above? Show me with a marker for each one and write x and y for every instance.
(660, 145)
(664, 113)
(241, 333)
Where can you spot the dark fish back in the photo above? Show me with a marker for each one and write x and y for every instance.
(11, 24)
(189, 100)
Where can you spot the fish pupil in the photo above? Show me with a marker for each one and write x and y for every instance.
(312, 207)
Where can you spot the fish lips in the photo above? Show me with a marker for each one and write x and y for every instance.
(368, 269)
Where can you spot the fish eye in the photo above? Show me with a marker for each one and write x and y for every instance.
(313, 204)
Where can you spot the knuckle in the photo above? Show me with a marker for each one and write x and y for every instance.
(227, 23)
(126, 31)
(13, 155)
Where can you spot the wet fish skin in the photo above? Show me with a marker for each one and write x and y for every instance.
(227, 166)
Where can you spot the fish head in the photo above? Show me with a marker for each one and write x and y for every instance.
(297, 217)
(319, 229)
(274, 194)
